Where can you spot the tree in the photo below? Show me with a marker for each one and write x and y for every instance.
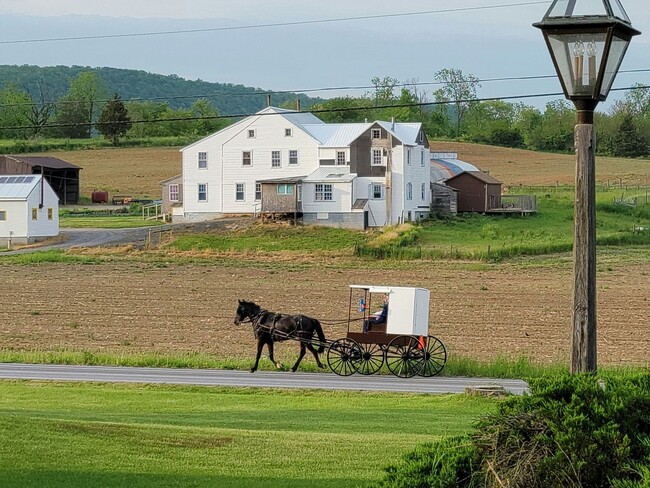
(77, 110)
(15, 106)
(114, 121)
(628, 141)
(458, 89)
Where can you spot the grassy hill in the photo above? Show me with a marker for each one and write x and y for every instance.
(179, 92)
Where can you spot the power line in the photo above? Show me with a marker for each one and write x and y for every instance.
(278, 24)
(308, 90)
(315, 111)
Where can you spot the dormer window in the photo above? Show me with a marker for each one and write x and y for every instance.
(376, 133)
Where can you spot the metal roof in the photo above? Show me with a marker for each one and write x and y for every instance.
(331, 174)
(479, 175)
(287, 179)
(18, 187)
(443, 169)
(407, 133)
(45, 162)
(297, 118)
(336, 135)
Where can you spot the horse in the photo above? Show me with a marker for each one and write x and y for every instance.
(270, 327)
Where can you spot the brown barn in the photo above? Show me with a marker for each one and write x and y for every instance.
(62, 176)
(477, 191)
(280, 196)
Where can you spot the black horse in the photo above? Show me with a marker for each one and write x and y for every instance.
(270, 327)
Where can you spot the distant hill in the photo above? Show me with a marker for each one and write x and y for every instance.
(178, 92)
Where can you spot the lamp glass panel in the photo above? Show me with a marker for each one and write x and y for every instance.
(616, 54)
(578, 57)
(619, 11)
(577, 8)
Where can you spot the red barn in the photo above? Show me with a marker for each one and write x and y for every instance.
(477, 191)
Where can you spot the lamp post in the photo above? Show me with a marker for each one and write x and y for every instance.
(587, 40)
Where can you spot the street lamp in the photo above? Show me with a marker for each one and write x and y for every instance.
(587, 40)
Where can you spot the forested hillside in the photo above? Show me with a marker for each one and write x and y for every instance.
(53, 82)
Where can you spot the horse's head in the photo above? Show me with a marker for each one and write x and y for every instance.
(246, 310)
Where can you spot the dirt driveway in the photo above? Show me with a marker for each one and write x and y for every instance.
(481, 312)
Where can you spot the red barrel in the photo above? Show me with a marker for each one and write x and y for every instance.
(99, 196)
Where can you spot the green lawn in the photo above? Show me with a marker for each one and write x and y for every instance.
(106, 222)
(80, 435)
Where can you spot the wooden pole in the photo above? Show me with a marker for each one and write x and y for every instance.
(583, 344)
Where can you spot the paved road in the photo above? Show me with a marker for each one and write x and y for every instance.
(261, 379)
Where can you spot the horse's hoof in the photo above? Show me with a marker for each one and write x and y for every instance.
(253, 370)
(321, 366)
(293, 370)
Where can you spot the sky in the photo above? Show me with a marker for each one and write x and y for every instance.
(486, 42)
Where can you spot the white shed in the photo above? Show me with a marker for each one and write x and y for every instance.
(29, 209)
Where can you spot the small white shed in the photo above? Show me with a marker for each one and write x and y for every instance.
(29, 210)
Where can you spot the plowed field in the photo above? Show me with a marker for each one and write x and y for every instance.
(479, 312)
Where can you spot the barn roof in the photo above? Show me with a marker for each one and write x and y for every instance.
(45, 162)
(17, 187)
(331, 174)
(479, 175)
(447, 165)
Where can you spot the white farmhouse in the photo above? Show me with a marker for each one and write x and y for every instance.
(281, 161)
(29, 209)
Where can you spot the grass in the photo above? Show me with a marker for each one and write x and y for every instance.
(107, 222)
(79, 435)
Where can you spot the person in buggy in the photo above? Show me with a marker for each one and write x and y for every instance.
(377, 318)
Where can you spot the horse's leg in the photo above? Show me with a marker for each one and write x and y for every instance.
(302, 354)
(278, 364)
(260, 345)
(315, 353)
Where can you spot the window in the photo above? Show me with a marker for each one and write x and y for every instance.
(423, 196)
(420, 136)
(293, 156)
(173, 193)
(376, 134)
(251, 133)
(409, 191)
(422, 158)
(240, 192)
(285, 190)
(203, 160)
(323, 192)
(340, 158)
(376, 191)
(376, 157)
(258, 191)
(288, 132)
(50, 214)
(3, 215)
(276, 160)
(247, 158)
(299, 196)
(34, 214)
(203, 192)
(408, 156)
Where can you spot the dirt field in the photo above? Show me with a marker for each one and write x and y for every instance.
(138, 172)
(133, 308)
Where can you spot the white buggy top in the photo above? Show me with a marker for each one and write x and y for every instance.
(408, 308)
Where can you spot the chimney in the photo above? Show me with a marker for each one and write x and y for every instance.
(392, 123)
(268, 99)
(298, 104)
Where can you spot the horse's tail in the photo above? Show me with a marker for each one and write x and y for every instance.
(321, 335)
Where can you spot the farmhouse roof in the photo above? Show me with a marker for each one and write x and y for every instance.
(342, 135)
(331, 175)
(18, 187)
(45, 162)
(288, 179)
(479, 175)
(447, 165)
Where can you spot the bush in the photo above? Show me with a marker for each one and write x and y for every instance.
(571, 431)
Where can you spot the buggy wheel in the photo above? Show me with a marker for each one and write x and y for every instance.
(434, 357)
(404, 356)
(344, 356)
(372, 358)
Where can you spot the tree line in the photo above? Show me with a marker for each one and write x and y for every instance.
(453, 111)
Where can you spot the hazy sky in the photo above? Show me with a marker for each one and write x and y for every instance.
(489, 43)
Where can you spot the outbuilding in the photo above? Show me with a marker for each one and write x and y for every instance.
(477, 191)
(62, 176)
(29, 210)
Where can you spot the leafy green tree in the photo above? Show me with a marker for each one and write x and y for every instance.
(207, 118)
(628, 141)
(343, 109)
(494, 122)
(459, 90)
(15, 107)
(114, 121)
(77, 111)
(555, 130)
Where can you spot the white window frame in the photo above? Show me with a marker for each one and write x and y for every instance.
(250, 158)
(341, 158)
(174, 192)
(204, 192)
(202, 158)
(3, 215)
(373, 156)
(323, 192)
(376, 188)
(293, 158)
(288, 132)
(239, 192)
(276, 159)
(34, 213)
(409, 191)
(284, 189)
(375, 133)
(258, 191)
(50, 213)
(424, 192)
(299, 190)
(251, 133)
